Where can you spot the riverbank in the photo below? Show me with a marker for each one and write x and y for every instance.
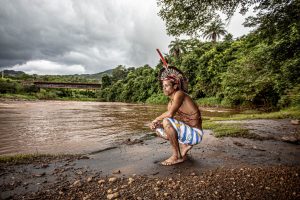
(224, 165)
(224, 168)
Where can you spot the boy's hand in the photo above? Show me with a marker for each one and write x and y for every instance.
(154, 124)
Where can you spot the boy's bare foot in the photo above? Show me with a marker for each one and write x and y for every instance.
(172, 161)
(184, 149)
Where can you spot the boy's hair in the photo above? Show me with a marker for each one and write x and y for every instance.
(174, 75)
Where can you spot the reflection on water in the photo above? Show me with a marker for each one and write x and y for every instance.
(71, 127)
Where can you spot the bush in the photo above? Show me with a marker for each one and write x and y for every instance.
(158, 99)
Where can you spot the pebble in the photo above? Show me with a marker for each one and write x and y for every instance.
(112, 179)
(109, 191)
(156, 188)
(113, 196)
(76, 183)
(44, 166)
(116, 172)
(130, 180)
(166, 194)
(79, 172)
(89, 179)
(124, 186)
(86, 197)
(101, 181)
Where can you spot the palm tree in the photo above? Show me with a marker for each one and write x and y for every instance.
(176, 48)
(214, 30)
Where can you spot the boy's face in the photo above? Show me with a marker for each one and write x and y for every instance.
(168, 87)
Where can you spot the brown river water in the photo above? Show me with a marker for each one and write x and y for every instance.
(74, 127)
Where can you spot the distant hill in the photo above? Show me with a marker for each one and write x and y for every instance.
(96, 76)
(21, 74)
(12, 73)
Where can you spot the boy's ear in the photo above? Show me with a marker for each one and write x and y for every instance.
(175, 86)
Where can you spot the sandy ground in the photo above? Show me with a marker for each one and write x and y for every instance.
(226, 168)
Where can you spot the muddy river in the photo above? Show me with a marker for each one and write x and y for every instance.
(73, 127)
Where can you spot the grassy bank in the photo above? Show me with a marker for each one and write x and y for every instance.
(29, 158)
(237, 130)
(27, 97)
(287, 113)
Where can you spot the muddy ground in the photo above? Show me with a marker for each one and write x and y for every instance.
(218, 168)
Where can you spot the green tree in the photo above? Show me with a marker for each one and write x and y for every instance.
(190, 16)
(176, 47)
(214, 30)
(105, 81)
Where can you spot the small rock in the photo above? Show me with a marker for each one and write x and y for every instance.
(84, 157)
(124, 186)
(156, 188)
(130, 180)
(139, 198)
(101, 181)
(44, 166)
(112, 179)
(116, 172)
(87, 197)
(113, 196)
(109, 191)
(290, 139)
(175, 187)
(40, 175)
(238, 144)
(76, 183)
(295, 122)
(79, 172)
(193, 174)
(60, 193)
(166, 194)
(89, 179)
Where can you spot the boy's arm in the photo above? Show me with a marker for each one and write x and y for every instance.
(172, 109)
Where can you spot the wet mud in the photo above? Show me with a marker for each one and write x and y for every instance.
(209, 161)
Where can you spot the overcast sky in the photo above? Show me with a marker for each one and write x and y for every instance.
(75, 37)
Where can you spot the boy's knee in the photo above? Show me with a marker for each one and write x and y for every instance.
(166, 123)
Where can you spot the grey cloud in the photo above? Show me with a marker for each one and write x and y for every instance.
(95, 34)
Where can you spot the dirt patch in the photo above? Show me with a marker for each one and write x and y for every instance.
(218, 168)
(262, 129)
(234, 183)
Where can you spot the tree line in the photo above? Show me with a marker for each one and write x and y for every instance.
(261, 69)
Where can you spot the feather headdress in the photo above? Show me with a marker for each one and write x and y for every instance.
(175, 75)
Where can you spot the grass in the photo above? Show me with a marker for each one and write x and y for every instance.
(228, 130)
(18, 96)
(32, 97)
(29, 158)
(236, 129)
(288, 113)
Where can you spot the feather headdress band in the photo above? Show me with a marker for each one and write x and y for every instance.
(175, 75)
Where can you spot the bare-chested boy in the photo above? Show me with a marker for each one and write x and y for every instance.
(186, 127)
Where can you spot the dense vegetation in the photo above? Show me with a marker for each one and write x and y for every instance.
(261, 69)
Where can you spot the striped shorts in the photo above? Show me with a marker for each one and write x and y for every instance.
(186, 134)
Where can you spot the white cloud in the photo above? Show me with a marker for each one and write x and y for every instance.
(96, 35)
(48, 67)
